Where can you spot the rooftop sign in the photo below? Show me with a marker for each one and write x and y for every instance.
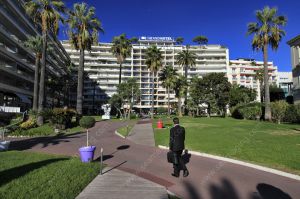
(144, 38)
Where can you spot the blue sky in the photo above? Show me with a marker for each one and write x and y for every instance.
(223, 22)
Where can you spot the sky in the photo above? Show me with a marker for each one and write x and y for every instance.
(223, 22)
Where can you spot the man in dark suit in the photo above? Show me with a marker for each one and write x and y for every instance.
(177, 137)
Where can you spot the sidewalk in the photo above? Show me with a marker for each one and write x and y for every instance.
(142, 133)
(122, 185)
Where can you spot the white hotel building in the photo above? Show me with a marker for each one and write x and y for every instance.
(243, 71)
(103, 69)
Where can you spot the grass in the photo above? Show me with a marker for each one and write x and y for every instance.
(34, 175)
(43, 130)
(264, 143)
(125, 130)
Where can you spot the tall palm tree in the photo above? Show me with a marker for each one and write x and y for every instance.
(186, 59)
(168, 77)
(36, 45)
(200, 40)
(121, 48)
(266, 32)
(154, 62)
(84, 27)
(47, 13)
(180, 88)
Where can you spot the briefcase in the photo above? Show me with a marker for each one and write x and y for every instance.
(172, 157)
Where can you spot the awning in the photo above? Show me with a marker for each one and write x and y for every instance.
(23, 98)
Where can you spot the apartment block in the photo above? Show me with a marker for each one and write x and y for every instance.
(295, 57)
(285, 81)
(243, 72)
(17, 63)
(103, 70)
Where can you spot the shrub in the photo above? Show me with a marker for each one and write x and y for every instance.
(292, 114)
(43, 130)
(87, 122)
(250, 111)
(30, 123)
(279, 109)
(61, 117)
(162, 110)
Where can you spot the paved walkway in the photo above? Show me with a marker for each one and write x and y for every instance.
(142, 133)
(116, 184)
(208, 179)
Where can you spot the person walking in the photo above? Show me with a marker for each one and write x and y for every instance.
(177, 137)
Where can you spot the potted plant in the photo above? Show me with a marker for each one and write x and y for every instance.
(87, 152)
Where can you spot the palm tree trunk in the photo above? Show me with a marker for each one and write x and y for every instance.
(168, 90)
(152, 93)
(80, 84)
(179, 107)
(185, 93)
(120, 74)
(40, 120)
(266, 82)
(36, 83)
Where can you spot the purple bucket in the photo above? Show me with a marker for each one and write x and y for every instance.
(87, 153)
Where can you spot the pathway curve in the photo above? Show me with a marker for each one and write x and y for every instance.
(209, 178)
(142, 133)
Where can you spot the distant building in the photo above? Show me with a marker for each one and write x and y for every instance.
(243, 72)
(295, 52)
(103, 70)
(17, 63)
(285, 81)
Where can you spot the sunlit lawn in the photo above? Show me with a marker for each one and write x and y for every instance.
(34, 175)
(265, 143)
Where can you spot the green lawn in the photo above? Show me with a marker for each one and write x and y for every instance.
(268, 144)
(34, 175)
(125, 130)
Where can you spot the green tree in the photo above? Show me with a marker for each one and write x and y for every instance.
(84, 27)
(276, 93)
(267, 32)
(129, 91)
(36, 45)
(279, 109)
(259, 75)
(154, 63)
(116, 102)
(180, 89)
(186, 59)
(241, 95)
(200, 40)
(179, 40)
(48, 13)
(121, 48)
(168, 77)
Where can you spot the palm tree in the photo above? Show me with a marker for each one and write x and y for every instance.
(186, 59)
(179, 40)
(84, 27)
(154, 62)
(121, 48)
(168, 77)
(200, 40)
(180, 88)
(36, 45)
(267, 32)
(48, 14)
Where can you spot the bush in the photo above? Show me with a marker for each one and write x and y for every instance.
(61, 117)
(87, 122)
(250, 111)
(292, 114)
(30, 123)
(162, 110)
(43, 130)
(279, 109)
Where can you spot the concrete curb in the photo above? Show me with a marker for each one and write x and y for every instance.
(242, 163)
(118, 134)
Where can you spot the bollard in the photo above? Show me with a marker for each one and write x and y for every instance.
(101, 161)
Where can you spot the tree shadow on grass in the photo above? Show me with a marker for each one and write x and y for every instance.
(28, 143)
(10, 174)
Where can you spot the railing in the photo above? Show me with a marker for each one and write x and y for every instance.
(9, 109)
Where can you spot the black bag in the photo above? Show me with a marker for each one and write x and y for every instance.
(172, 157)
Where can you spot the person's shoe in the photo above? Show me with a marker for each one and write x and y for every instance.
(185, 173)
(175, 175)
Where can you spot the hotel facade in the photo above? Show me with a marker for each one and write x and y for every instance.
(17, 63)
(103, 70)
(243, 72)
